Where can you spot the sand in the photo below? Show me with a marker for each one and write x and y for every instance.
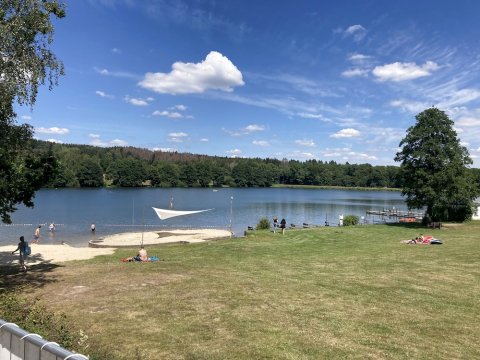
(106, 246)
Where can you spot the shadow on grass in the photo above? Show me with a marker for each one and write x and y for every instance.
(38, 274)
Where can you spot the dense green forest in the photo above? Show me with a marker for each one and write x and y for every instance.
(91, 166)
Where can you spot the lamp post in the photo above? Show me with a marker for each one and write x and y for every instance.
(231, 215)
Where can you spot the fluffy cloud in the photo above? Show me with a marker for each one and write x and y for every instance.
(52, 130)
(346, 133)
(305, 142)
(398, 71)
(254, 128)
(169, 114)
(136, 101)
(234, 152)
(215, 72)
(55, 141)
(96, 140)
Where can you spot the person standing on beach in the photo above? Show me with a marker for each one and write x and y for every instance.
(22, 247)
(36, 235)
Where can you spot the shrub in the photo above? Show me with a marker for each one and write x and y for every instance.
(263, 224)
(350, 220)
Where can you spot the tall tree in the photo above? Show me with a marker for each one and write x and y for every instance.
(26, 62)
(434, 168)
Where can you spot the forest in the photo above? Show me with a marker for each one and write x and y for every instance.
(91, 166)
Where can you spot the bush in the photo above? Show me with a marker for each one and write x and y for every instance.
(350, 220)
(263, 224)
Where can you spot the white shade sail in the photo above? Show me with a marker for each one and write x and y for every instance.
(164, 214)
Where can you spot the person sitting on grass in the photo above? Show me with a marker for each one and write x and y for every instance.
(141, 256)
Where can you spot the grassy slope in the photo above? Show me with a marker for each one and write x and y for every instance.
(352, 292)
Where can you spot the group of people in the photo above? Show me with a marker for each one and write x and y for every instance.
(23, 245)
(283, 225)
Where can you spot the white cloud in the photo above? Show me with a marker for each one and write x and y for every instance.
(169, 114)
(164, 149)
(177, 137)
(302, 155)
(215, 72)
(260, 143)
(118, 142)
(104, 94)
(459, 97)
(26, 117)
(204, 140)
(346, 133)
(52, 130)
(234, 152)
(120, 74)
(398, 71)
(358, 57)
(55, 141)
(313, 116)
(355, 72)
(254, 128)
(135, 101)
(358, 32)
(348, 154)
(468, 122)
(410, 106)
(95, 140)
(180, 107)
(305, 142)
(178, 134)
(116, 51)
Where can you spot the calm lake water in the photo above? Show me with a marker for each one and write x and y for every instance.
(121, 210)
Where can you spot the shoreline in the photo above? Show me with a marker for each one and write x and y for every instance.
(47, 253)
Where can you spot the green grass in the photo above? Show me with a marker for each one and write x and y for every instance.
(326, 293)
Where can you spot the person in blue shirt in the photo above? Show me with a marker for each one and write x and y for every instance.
(22, 248)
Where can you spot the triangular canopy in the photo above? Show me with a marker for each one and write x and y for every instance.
(166, 214)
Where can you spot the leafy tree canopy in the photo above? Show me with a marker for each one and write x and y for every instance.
(434, 168)
(26, 62)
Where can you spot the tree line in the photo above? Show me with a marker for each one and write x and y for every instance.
(91, 166)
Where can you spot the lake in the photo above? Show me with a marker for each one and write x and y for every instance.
(121, 210)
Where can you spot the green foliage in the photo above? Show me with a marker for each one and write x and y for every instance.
(90, 173)
(263, 224)
(34, 317)
(349, 220)
(26, 62)
(31, 316)
(434, 169)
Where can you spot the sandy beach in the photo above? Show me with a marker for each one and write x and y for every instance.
(107, 245)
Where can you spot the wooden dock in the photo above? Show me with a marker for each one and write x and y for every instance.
(396, 213)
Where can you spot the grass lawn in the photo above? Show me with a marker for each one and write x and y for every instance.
(325, 293)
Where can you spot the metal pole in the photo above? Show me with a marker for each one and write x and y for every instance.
(143, 223)
(231, 215)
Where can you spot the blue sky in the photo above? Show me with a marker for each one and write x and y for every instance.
(327, 80)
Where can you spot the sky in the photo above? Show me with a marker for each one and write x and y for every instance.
(327, 80)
